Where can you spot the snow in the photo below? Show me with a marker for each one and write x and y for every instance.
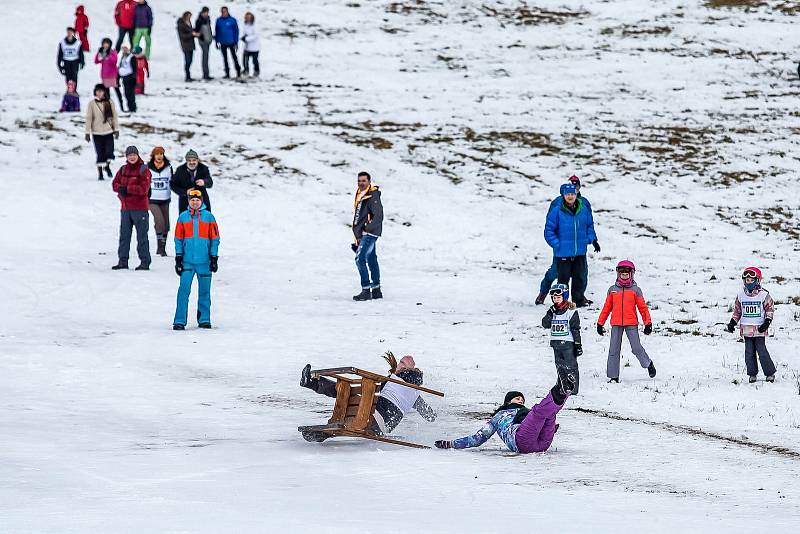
(469, 120)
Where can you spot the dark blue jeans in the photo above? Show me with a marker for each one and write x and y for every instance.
(367, 262)
(552, 274)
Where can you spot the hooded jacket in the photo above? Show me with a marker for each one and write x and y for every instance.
(143, 16)
(622, 304)
(124, 13)
(136, 179)
(569, 233)
(226, 30)
(252, 43)
(108, 64)
(196, 236)
(82, 27)
(367, 213)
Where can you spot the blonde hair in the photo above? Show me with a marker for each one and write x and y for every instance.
(391, 360)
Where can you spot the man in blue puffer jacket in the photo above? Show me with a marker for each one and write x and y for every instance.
(227, 37)
(552, 273)
(569, 230)
(196, 252)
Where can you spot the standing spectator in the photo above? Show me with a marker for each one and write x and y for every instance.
(107, 58)
(82, 27)
(127, 73)
(196, 253)
(102, 127)
(160, 175)
(71, 101)
(552, 273)
(202, 28)
(70, 56)
(227, 36)
(142, 24)
(132, 186)
(123, 16)
(142, 70)
(252, 45)
(190, 176)
(568, 230)
(186, 35)
(367, 228)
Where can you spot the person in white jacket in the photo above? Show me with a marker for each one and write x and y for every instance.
(252, 45)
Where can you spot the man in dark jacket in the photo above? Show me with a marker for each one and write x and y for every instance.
(132, 186)
(70, 56)
(367, 228)
(205, 38)
(191, 175)
(227, 37)
(142, 23)
(186, 35)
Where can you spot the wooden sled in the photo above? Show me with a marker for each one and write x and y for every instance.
(356, 396)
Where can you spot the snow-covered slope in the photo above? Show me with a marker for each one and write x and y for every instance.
(678, 115)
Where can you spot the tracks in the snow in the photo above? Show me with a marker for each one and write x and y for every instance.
(684, 429)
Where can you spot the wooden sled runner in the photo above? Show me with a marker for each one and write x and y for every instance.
(356, 396)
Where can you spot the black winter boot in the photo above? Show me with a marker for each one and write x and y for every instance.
(143, 267)
(161, 247)
(651, 369)
(206, 326)
(376, 293)
(365, 294)
(751, 379)
(120, 265)
(305, 378)
(178, 327)
(108, 170)
(771, 378)
(100, 173)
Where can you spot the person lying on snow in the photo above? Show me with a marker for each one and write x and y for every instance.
(394, 400)
(521, 429)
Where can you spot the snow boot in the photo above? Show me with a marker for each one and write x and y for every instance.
(178, 327)
(108, 170)
(540, 299)
(305, 377)
(365, 294)
(771, 378)
(205, 326)
(143, 267)
(100, 173)
(376, 293)
(651, 369)
(613, 380)
(315, 436)
(583, 303)
(161, 246)
(751, 379)
(120, 265)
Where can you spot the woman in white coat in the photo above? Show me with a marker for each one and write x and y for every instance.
(252, 45)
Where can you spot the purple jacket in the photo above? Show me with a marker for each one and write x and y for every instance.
(143, 16)
(108, 65)
(70, 103)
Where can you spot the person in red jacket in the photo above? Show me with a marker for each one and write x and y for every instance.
(82, 27)
(142, 70)
(132, 186)
(123, 16)
(623, 300)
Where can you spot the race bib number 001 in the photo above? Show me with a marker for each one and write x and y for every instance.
(751, 309)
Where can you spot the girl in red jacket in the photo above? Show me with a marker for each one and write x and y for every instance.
(624, 299)
(142, 69)
(82, 27)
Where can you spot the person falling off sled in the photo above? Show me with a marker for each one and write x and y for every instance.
(623, 300)
(753, 310)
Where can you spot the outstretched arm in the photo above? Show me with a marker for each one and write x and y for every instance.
(424, 409)
(477, 439)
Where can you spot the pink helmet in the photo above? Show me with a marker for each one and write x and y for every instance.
(626, 263)
(754, 271)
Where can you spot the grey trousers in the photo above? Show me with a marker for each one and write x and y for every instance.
(753, 345)
(566, 361)
(612, 369)
(127, 220)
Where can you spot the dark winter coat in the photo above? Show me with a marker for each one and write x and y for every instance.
(65, 42)
(569, 231)
(143, 17)
(227, 31)
(185, 35)
(136, 179)
(368, 214)
(184, 179)
(203, 26)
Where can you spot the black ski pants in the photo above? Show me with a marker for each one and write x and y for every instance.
(573, 269)
(565, 359)
(129, 86)
(122, 33)
(71, 71)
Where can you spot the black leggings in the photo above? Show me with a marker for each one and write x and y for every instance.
(246, 60)
(104, 148)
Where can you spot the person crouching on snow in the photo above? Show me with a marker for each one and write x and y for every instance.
(71, 102)
(565, 332)
(623, 300)
(521, 429)
(394, 400)
(753, 310)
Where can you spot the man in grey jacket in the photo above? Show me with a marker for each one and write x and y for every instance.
(367, 228)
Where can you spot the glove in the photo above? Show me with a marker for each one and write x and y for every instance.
(88, 138)
(764, 326)
(178, 265)
(601, 330)
(123, 191)
(578, 349)
(731, 326)
(596, 245)
(214, 265)
(443, 444)
(116, 135)
(354, 247)
(648, 329)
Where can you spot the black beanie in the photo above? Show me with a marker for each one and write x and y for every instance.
(511, 394)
